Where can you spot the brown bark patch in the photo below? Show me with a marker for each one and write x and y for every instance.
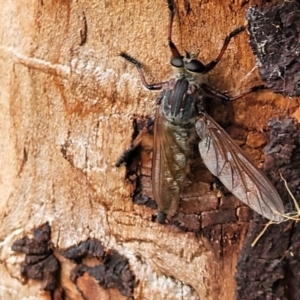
(274, 35)
(109, 269)
(40, 263)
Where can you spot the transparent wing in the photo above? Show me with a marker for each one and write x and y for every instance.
(235, 170)
(169, 168)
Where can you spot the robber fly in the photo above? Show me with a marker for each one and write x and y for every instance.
(179, 113)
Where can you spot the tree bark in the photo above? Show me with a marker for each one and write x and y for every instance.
(67, 107)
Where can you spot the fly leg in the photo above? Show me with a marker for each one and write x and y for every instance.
(139, 66)
(251, 90)
(176, 53)
(218, 185)
(128, 154)
(209, 90)
(214, 62)
(173, 48)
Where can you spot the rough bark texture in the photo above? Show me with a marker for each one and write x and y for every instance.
(270, 269)
(67, 107)
(275, 31)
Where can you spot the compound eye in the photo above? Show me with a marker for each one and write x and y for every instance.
(195, 66)
(177, 61)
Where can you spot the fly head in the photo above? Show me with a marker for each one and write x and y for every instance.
(187, 66)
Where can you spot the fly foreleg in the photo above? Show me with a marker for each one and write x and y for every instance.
(173, 48)
(139, 66)
(214, 62)
(126, 157)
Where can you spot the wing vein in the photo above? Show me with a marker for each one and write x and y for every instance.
(235, 169)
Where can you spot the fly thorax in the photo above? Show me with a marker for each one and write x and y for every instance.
(178, 102)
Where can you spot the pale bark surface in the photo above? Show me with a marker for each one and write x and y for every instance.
(66, 116)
